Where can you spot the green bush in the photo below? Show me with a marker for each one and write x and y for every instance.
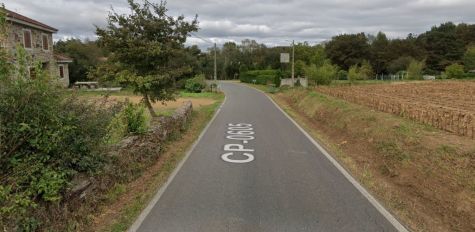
(455, 71)
(469, 58)
(360, 72)
(342, 75)
(414, 70)
(260, 77)
(47, 137)
(322, 75)
(357, 73)
(195, 84)
(132, 119)
(277, 81)
(469, 75)
(366, 70)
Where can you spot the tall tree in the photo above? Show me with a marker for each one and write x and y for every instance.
(380, 53)
(443, 46)
(466, 33)
(86, 56)
(143, 44)
(231, 60)
(348, 49)
(469, 58)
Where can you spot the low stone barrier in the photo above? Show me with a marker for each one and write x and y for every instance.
(134, 153)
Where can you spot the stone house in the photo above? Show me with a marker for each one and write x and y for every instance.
(37, 39)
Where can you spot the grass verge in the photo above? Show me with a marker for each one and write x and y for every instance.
(127, 201)
(421, 174)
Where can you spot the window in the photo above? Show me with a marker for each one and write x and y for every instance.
(61, 71)
(32, 73)
(45, 42)
(27, 43)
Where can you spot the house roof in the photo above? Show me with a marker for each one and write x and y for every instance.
(18, 18)
(61, 58)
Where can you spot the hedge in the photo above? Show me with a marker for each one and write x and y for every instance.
(260, 77)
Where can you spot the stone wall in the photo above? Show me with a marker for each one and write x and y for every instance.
(288, 81)
(15, 37)
(134, 154)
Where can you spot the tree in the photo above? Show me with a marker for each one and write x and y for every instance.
(366, 71)
(454, 71)
(399, 64)
(443, 46)
(322, 75)
(408, 47)
(86, 56)
(466, 33)
(300, 68)
(318, 56)
(231, 58)
(143, 44)
(354, 73)
(347, 50)
(381, 53)
(5, 65)
(469, 58)
(414, 70)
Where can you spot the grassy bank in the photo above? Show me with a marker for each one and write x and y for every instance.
(423, 175)
(125, 202)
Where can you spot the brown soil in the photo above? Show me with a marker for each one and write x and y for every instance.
(447, 105)
(423, 175)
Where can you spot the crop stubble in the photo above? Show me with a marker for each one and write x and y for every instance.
(448, 105)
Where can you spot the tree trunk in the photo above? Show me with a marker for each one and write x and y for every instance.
(149, 105)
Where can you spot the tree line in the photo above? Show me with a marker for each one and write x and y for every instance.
(444, 49)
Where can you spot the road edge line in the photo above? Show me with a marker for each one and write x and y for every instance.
(391, 218)
(145, 212)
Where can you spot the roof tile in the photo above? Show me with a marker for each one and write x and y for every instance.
(20, 17)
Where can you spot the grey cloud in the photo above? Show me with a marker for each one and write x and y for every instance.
(268, 21)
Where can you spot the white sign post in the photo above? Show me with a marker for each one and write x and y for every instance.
(284, 58)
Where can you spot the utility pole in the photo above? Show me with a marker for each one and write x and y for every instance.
(293, 62)
(215, 66)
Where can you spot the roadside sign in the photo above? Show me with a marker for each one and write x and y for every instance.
(284, 57)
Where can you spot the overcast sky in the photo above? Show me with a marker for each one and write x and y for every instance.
(268, 21)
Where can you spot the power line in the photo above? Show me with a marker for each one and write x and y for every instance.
(204, 39)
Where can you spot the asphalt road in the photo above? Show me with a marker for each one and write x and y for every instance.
(283, 183)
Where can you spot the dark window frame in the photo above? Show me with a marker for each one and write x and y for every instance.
(30, 34)
(45, 41)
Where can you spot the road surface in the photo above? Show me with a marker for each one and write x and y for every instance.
(270, 177)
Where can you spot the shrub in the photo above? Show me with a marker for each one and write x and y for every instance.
(354, 73)
(414, 70)
(196, 84)
(399, 64)
(469, 58)
(469, 75)
(360, 72)
(342, 75)
(260, 77)
(277, 81)
(47, 136)
(322, 75)
(455, 71)
(132, 119)
(366, 70)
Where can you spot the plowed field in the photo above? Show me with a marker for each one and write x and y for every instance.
(447, 105)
